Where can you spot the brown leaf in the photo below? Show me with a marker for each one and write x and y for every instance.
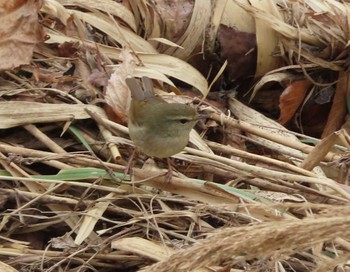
(19, 31)
(291, 99)
(68, 49)
(239, 49)
(117, 93)
(175, 16)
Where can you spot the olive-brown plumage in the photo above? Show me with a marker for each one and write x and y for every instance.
(159, 129)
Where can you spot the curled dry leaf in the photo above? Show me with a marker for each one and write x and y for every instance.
(117, 93)
(266, 40)
(194, 33)
(291, 99)
(20, 31)
(64, 242)
(174, 16)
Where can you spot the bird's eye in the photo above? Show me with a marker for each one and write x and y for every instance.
(183, 121)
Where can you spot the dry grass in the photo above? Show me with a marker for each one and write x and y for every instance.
(270, 201)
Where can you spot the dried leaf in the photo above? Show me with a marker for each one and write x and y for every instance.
(56, 10)
(143, 247)
(109, 6)
(20, 32)
(291, 98)
(16, 113)
(92, 216)
(319, 152)
(239, 49)
(175, 16)
(6, 268)
(117, 93)
(274, 77)
(63, 242)
(194, 34)
(266, 40)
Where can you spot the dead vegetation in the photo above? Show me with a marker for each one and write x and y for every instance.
(249, 194)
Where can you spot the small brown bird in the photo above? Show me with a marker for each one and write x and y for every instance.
(158, 129)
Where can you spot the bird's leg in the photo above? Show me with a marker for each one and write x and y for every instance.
(129, 165)
(169, 175)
